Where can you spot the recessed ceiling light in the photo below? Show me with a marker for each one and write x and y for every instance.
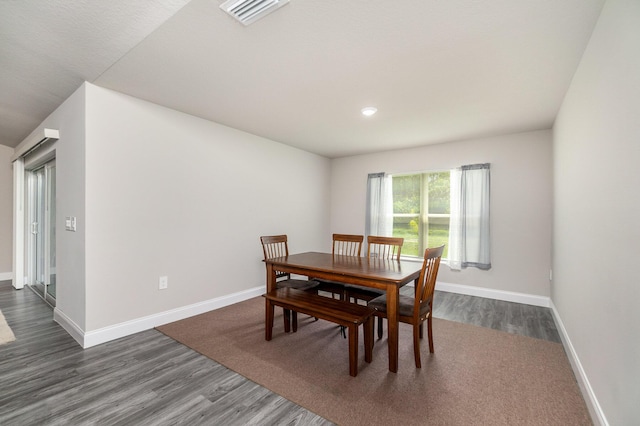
(368, 111)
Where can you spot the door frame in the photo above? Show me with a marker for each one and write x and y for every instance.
(21, 167)
(41, 146)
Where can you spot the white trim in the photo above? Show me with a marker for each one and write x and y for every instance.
(116, 331)
(18, 224)
(4, 276)
(597, 415)
(69, 325)
(585, 387)
(508, 296)
(35, 140)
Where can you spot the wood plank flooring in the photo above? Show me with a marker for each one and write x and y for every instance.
(46, 378)
(516, 318)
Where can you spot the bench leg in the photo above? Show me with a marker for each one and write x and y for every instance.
(368, 339)
(353, 350)
(268, 322)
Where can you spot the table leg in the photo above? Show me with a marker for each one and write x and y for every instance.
(271, 286)
(393, 318)
(271, 278)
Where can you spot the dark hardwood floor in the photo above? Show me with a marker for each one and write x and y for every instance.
(46, 378)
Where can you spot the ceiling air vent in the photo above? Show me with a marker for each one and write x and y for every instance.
(248, 11)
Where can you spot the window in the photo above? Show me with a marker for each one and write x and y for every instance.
(431, 209)
(421, 211)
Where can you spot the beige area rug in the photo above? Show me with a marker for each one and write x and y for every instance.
(477, 376)
(6, 335)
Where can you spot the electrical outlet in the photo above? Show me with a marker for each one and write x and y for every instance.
(163, 283)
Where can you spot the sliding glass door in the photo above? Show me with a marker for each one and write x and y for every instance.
(41, 248)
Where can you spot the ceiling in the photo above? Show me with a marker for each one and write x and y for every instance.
(437, 70)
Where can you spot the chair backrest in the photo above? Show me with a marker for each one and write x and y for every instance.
(275, 246)
(348, 245)
(384, 247)
(427, 281)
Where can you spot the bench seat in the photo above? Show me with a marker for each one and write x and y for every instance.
(349, 315)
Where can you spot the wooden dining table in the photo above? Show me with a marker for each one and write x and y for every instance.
(384, 274)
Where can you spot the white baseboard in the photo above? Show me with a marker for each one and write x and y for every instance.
(597, 415)
(116, 331)
(4, 276)
(70, 327)
(507, 296)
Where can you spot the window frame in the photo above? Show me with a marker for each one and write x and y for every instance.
(422, 227)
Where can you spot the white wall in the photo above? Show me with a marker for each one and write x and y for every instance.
(6, 213)
(68, 118)
(597, 208)
(71, 201)
(521, 183)
(171, 194)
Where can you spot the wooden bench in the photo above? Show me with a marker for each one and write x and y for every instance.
(349, 315)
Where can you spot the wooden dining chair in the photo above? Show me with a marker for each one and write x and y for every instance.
(343, 245)
(416, 310)
(384, 247)
(347, 245)
(377, 248)
(276, 246)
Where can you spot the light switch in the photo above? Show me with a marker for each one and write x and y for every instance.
(70, 223)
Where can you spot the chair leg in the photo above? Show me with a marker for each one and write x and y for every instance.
(380, 331)
(416, 345)
(294, 321)
(287, 320)
(430, 334)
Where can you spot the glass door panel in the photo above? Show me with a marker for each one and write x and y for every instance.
(36, 238)
(41, 242)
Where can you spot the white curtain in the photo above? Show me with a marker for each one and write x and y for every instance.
(379, 219)
(469, 242)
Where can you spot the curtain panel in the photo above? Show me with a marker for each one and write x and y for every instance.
(379, 215)
(469, 236)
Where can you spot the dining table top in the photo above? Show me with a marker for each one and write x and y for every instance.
(352, 268)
